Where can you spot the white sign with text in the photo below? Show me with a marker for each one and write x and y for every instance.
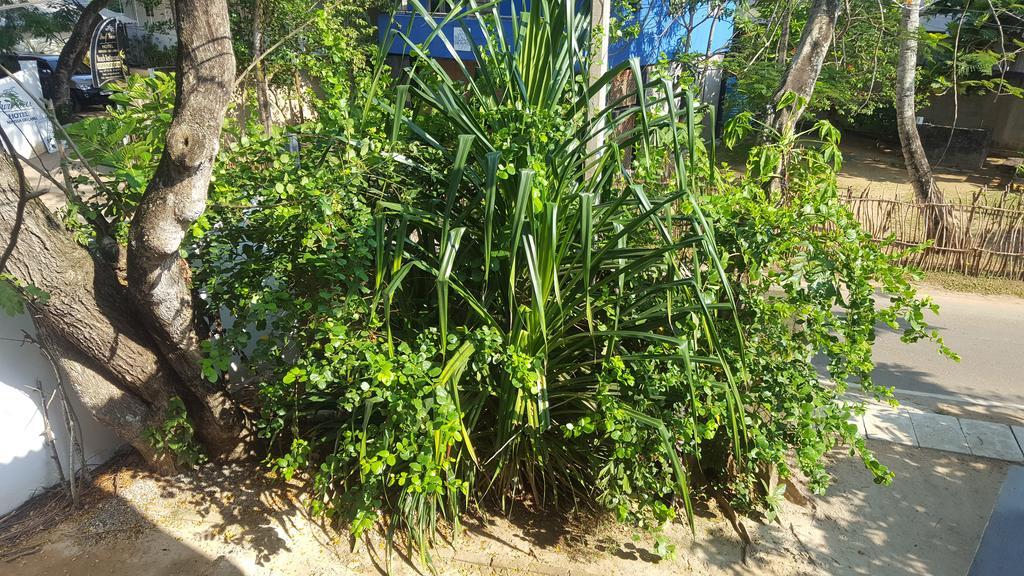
(24, 122)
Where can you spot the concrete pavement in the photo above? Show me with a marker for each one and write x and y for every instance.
(915, 427)
(972, 407)
(988, 334)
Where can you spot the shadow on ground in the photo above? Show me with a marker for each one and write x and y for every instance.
(111, 539)
(134, 523)
(235, 521)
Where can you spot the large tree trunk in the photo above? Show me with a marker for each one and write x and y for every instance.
(158, 278)
(262, 85)
(98, 346)
(804, 68)
(73, 53)
(918, 168)
(125, 362)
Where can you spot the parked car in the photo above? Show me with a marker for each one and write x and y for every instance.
(83, 92)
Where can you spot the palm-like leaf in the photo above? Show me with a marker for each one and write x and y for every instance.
(556, 245)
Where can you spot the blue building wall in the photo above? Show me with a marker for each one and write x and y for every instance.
(661, 34)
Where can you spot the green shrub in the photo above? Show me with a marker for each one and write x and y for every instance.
(504, 314)
(811, 283)
(124, 146)
(475, 307)
(175, 437)
(461, 293)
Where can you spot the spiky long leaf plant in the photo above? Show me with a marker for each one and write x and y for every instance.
(587, 266)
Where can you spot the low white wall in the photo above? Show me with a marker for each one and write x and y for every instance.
(26, 464)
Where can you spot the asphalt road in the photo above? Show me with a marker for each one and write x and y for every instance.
(988, 334)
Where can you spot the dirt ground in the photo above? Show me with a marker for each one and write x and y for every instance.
(878, 167)
(236, 522)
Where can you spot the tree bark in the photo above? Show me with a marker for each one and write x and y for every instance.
(262, 85)
(782, 49)
(918, 168)
(95, 342)
(158, 278)
(805, 67)
(73, 53)
(125, 362)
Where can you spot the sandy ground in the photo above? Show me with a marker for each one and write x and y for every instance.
(878, 167)
(236, 522)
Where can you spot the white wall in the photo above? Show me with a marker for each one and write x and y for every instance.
(26, 464)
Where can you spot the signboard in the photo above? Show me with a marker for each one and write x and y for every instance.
(461, 41)
(21, 119)
(105, 54)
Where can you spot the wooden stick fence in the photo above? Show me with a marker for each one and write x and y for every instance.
(979, 239)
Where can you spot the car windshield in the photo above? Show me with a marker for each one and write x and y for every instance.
(82, 68)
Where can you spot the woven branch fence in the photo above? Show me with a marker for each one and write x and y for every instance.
(984, 239)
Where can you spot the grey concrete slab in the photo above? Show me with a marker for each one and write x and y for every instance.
(939, 431)
(859, 421)
(892, 426)
(1018, 431)
(991, 440)
(1000, 552)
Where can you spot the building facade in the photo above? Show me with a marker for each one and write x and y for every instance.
(658, 36)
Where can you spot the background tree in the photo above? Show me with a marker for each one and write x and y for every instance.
(286, 47)
(918, 167)
(805, 67)
(73, 52)
(21, 22)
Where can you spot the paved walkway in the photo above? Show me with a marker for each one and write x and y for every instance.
(915, 427)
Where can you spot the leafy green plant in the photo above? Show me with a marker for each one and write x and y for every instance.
(14, 294)
(176, 436)
(125, 146)
(812, 284)
(458, 295)
(542, 324)
(461, 293)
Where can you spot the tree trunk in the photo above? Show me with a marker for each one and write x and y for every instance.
(782, 49)
(73, 53)
(126, 362)
(804, 68)
(706, 65)
(158, 278)
(262, 85)
(918, 168)
(98, 346)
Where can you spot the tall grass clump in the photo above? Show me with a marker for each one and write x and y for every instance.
(576, 302)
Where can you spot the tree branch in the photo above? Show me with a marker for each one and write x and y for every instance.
(23, 194)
